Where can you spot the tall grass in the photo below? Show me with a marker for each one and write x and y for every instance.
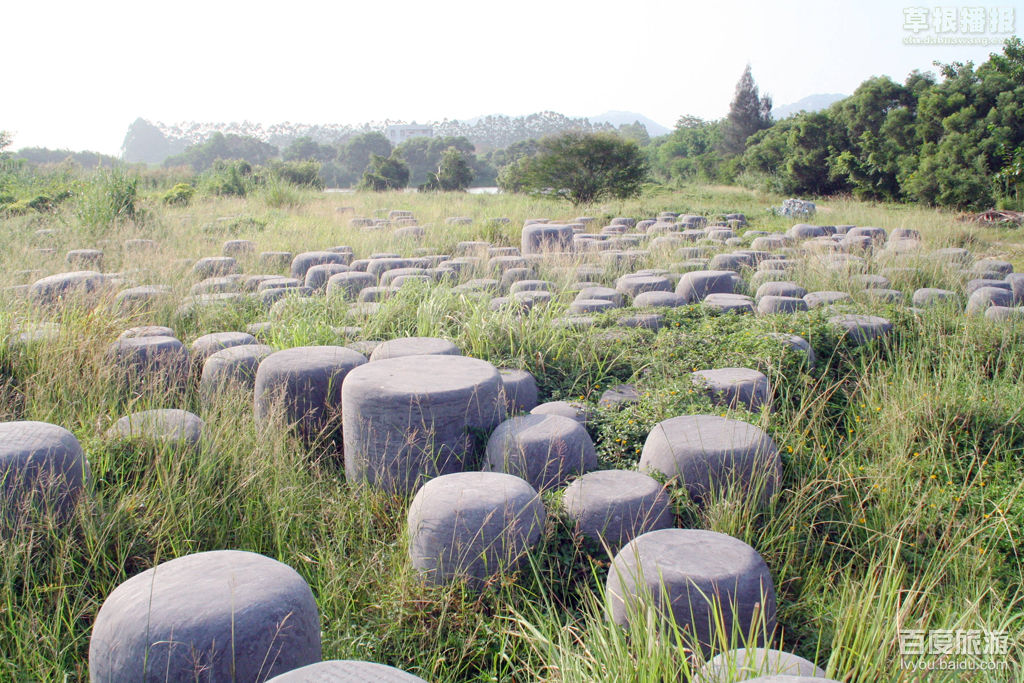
(899, 508)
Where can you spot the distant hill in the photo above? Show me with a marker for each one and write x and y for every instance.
(617, 118)
(811, 103)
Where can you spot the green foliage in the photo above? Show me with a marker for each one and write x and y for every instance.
(145, 143)
(948, 143)
(690, 152)
(353, 158)
(179, 195)
(308, 149)
(385, 174)
(636, 132)
(580, 167)
(111, 198)
(454, 173)
(423, 155)
(228, 179)
(748, 113)
(224, 147)
(300, 173)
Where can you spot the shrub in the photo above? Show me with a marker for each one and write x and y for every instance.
(110, 198)
(179, 195)
(301, 173)
(228, 179)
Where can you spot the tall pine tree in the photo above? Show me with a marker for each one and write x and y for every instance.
(748, 114)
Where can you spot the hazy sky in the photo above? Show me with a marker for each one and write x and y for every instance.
(78, 73)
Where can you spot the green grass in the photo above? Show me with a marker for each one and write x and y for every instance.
(900, 505)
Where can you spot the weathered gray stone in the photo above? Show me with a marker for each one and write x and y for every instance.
(734, 387)
(590, 305)
(712, 454)
(545, 450)
(693, 578)
(771, 305)
(208, 344)
(520, 390)
(571, 409)
(984, 297)
(222, 615)
(76, 286)
(214, 266)
(619, 395)
(318, 275)
(235, 365)
(729, 303)
(411, 418)
(85, 259)
(349, 284)
(1004, 313)
(860, 329)
(929, 296)
(238, 248)
(780, 288)
(740, 663)
(146, 363)
(825, 298)
(797, 343)
(167, 426)
(346, 671)
(43, 470)
(540, 238)
(645, 321)
(146, 331)
(306, 260)
(655, 299)
(697, 285)
(308, 382)
(635, 284)
(612, 507)
(472, 526)
(414, 346)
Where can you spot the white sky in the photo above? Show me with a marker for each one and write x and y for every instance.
(76, 74)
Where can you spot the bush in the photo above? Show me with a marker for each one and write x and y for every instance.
(582, 168)
(228, 179)
(301, 173)
(385, 174)
(179, 195)
(112, 197)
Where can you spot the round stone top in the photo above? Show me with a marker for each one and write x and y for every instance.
(414, 346)
(387, 379)
(675, 556)
(605, 486)
(162, 424)
(29, 436)
(346, 671)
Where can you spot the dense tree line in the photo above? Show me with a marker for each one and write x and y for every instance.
(954, 140)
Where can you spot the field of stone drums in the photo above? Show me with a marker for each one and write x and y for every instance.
(404, 437)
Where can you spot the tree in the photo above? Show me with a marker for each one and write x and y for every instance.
(580, 167)
(5, 140)
(226, 147)
(383, 174)
(748, 113)
(637, 132)
(145, 143)
(308, 149)
(454, 173)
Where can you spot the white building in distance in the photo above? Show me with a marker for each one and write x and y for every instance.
(396, 135)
